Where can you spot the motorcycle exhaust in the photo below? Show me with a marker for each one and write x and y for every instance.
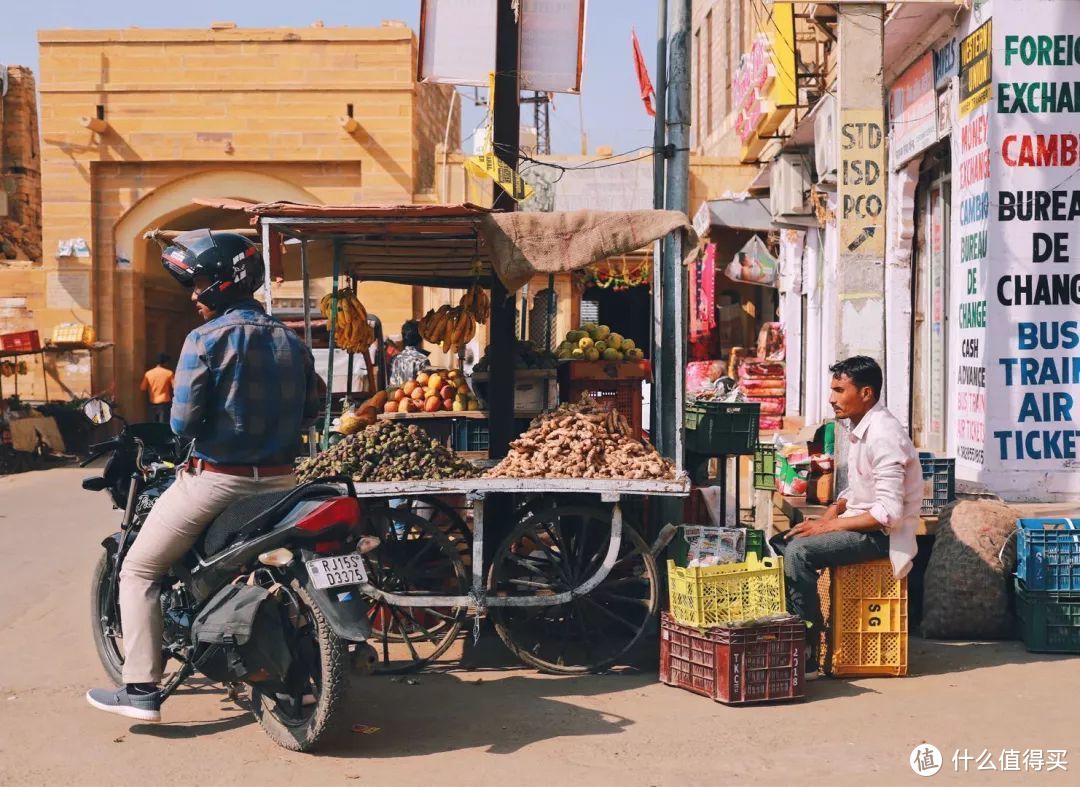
(364, 659)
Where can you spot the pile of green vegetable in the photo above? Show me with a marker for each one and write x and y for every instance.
(527, 355)
(387, 451)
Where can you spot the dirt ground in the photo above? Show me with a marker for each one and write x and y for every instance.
(498, 725)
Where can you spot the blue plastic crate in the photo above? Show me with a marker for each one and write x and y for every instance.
(939, 483)
(1048, 554)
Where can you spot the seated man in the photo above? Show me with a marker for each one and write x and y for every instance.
(876, 516)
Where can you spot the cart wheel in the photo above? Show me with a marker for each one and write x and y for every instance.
(447, 519)
(415, 558)
(557, 550)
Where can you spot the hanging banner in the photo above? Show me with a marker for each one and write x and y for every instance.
(1034, 318)
(491, 166)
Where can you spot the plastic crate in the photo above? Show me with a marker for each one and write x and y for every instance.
(867, 619)
(1049, 622)
(474, 434)
(20, 342)
(1048, 554)
(753, 543)
(736, 666)
(765, 467)
(732, 593)
(721, 428)
(939, 483)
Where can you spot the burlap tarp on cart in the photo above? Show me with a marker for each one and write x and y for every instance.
(523, 244)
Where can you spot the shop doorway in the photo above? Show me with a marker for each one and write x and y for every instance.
(930, 361)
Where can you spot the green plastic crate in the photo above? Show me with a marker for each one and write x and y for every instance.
(721, 428)
(765, 467)
(679, 548)
(1049, 622)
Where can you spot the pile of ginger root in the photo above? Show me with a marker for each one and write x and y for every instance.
(582, 441)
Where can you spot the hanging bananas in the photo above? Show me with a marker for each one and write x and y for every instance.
(449, 326)
(353, 333)
(477, 302)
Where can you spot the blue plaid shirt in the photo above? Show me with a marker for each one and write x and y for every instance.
(245, 389)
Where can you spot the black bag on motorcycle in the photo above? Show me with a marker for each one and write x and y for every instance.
(243, 634)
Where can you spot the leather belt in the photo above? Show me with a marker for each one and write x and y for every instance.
(244, 471)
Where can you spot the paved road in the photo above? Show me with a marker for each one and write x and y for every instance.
(498, 727)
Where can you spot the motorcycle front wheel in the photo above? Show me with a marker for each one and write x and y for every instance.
(107, 639)
(300, 723)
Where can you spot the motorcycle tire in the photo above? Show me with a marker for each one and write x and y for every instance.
(112, 660)
(330, 703)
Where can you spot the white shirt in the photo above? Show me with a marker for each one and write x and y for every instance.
(885, 480)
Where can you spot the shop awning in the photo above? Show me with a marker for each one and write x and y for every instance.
(750, 213)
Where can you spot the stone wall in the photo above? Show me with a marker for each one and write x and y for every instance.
(20, 169)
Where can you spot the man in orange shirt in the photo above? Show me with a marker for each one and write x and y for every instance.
(158, 383)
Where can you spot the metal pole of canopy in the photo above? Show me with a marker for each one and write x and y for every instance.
(348, 383)
(331, 330)
(267, 298)
(307, 325)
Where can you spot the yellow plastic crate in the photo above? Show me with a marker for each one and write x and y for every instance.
(717, 595)
(866, 609)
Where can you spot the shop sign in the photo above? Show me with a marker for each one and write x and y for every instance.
(763, 86)
(975, 69)
(862, 181)
(1033, 288)
(946, 62)
(944, 111)
(913, 111)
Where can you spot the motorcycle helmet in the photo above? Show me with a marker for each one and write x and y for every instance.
(231, 262)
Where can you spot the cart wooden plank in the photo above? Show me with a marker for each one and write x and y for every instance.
(483, 486)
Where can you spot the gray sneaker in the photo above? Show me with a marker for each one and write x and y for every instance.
(144, 707)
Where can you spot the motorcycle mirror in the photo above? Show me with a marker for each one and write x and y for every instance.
(97, 411)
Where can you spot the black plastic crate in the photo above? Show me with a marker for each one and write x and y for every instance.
(939, 483)
(721, 428)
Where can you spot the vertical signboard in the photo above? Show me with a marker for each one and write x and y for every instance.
(1034, 369)
(938, 388)
(862, 181)
(971, 222)
(912, 111)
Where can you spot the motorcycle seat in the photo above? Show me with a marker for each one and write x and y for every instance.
(254, 514)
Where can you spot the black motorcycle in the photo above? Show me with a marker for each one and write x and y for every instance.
(291, 561)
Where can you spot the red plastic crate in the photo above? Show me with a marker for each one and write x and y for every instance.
(736, 666)
(21, 342)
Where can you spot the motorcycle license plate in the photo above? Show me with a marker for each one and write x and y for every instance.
(337, 571)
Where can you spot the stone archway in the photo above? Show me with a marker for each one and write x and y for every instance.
(151, 314)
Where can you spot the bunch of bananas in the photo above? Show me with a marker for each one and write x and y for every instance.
(477, 302)
(449, 326)
(353, 334)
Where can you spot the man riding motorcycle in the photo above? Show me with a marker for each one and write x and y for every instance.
(245, 389)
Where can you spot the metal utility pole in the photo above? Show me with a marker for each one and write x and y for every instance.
(506, 119)
(541, 120)
(677, 198)
(659, 140)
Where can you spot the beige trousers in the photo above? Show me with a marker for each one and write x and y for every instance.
(174, 525)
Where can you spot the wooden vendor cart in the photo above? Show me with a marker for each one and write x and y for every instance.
(572, 587)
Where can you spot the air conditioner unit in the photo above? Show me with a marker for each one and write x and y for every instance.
(789, 185)
(825, 140)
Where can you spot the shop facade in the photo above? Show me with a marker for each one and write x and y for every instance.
(979, 284)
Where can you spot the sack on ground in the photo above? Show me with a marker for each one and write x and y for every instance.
(966, 590)
(242, 635)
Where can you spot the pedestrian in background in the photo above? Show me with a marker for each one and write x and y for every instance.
(157, 383)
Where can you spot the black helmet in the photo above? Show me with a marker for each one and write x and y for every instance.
(231, 262)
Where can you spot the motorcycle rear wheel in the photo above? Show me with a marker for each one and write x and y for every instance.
(109, 651)
(331, 687)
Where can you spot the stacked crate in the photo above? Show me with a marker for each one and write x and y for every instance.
(1048, 584)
